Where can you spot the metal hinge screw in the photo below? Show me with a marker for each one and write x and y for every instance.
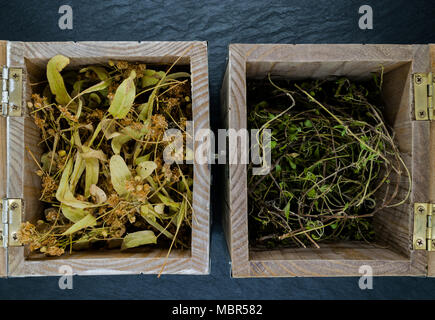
(14, 206)
(418, 79)
(419, 242)
(421, 209)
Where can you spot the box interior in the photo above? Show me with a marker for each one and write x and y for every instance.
(392, 225)
(34, 72)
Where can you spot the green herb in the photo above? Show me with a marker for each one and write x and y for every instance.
(334, 162)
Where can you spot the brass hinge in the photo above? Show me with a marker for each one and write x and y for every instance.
(11, 221)
(424, 225)
(12, 92)
(423, 96)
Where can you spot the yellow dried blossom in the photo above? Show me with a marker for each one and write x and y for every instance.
(54, 251)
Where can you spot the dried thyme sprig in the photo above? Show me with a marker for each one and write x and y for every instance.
(334, 162)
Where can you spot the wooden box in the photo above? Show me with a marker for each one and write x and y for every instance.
(17, 169)
(395, 230)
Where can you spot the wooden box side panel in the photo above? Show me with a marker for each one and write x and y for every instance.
(3, 166)
(201, 180)
(431, 255)
(223, 171)
(260, 59)
(238, 197)
(22, 182)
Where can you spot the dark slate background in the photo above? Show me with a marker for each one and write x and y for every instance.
(220, 23)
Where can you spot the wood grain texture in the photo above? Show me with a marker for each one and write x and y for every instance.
(224, 99)
(395, 225)
(3, 159)
(23, 183)
(431, 255)
(238, 202)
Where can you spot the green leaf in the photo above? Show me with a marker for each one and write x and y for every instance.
(55, 80)
(96, 87)
(287, 210)
(73, 214)
(168, 202)
(124, 97)
(151, 77)
(308, 124)
(146, 168)
(138, 238)
(312, 194)
(87, 221)
(272, 144)
(119, 173)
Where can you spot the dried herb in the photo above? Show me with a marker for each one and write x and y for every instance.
(104, 181)
(334, 161)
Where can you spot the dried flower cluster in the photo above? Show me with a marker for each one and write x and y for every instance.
(104, 181)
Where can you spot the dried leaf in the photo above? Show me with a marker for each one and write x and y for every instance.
(98, 193)
(87, 221)
(94, 98)
(46, 160)
(109, 129)
(77, 87)
(119, 173)
(64, 194)
(73, 214)
(55, 80)
(146, 168)
(101, 72)
(143, 158)
(177, 75)
(126, 135)
(118, 141)
(92, 172)
(159, 208)
(151, 77)
(79, 168)
(169, 202)
(96, 87)
(150, 217)
(138, 238)
(124, 97)
(89, 153)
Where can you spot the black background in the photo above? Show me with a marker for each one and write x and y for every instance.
(219, 23)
